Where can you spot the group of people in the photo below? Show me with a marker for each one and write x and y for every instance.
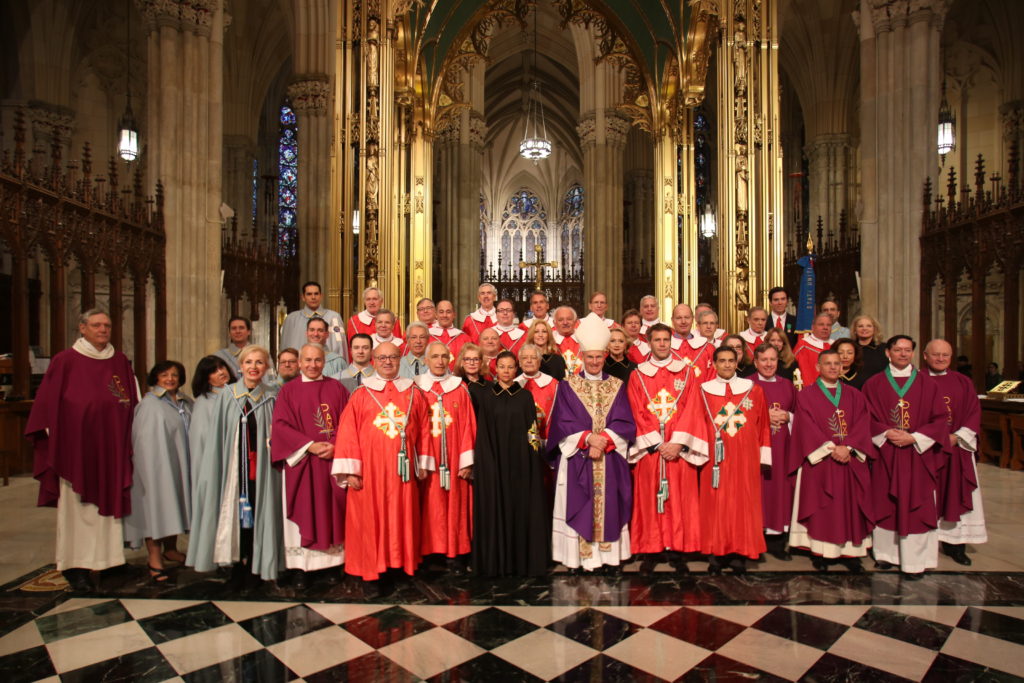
(503, 446)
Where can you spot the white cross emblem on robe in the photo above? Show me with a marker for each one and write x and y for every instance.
(733, 421)
(663, 405)
(696, 368)
(572, 362)
(389, 420)
(435, 419)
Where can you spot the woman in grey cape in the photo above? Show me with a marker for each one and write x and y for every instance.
(162, 482)
(237, 509)
(211, 376)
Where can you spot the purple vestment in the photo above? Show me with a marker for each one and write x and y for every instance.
(835, 498)
(958, 479)
(87, 405)
(904, 481)
(304, 412)
(570, 416)
(778, 484)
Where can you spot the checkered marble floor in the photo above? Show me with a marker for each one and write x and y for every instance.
(137, 639)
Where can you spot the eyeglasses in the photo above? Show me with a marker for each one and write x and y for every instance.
(470, 360)
(388, 358)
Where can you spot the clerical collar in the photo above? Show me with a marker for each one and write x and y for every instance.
(905, 372)
(587, 375)
(87, 349)
(660, 362)
(719, 378)
(937, 374)
(307, 379)
(766, 379)
(829, 385)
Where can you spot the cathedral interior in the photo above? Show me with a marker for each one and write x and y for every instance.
(177, 162)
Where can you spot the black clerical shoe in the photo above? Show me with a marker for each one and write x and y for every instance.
(678, 563)
(882, 564)
(456, 566)
(852, 565)
(917, 576)
(738, 565)
(299, 581)
(647, 566)
(371, 590)
(820, 563)
(78, 580)
(777, 547)
(714, 565)
(956, 552)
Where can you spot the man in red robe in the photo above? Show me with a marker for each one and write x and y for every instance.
(447, 499)
(364, 321)
(670, 445)
(384, 448)
(738, 443)
(510, 334)
(699, 350)
(909, 428)
(483, 317)
(648, 314)
(753, 336)
(81, 427)
(831, 448)
(961, 517)
(564, 335)
(444, 329)
(304, 430)
(808, 348)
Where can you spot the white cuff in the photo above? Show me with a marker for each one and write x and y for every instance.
(296, 457)
(346, 466)
(878, 440)
(620, 445)
(645, 441)
(860, 456)
(426, 463)
(466, 458)
(766, 455)
(569, 446)
(968, 439)
(821, 452)
(921, 442)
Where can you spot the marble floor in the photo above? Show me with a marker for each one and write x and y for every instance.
(783, 621)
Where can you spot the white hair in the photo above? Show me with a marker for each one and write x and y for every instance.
(84, 318)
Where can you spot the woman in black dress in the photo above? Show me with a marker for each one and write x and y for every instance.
(617, 364)
(470, 366)
(849, 356)
(868, 335)
(511, 521)
(551, 361)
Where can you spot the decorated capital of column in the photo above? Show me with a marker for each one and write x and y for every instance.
(603, 140)
(309, 94)
(49, 122)
(900, 92)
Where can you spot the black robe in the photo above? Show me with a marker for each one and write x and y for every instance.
(511, 518)
(553, 364)
(619, 369)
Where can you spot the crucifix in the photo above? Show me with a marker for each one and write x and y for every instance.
(539, 282)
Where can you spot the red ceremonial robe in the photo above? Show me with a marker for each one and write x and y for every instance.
(478, 321)
(452, 337)
(731, 519)
(511, 338)
(806, 353)
(698, 352)
(364, 323)
(309, 411)
(751, 340)
(639, 351)
(543, 388)
(653, 393)
(904, 479)
(958, 479)
(87, 404)
(569, 347)
(778, 484)
(448, 515)
(835, 498)
(382, 519)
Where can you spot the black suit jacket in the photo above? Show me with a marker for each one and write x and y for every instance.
(789, 324)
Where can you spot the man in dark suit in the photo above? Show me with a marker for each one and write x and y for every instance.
(778, 301)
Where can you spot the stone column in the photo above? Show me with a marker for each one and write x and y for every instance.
(309, 94)
(239, 153)
(830, 159)
(1012, 114)
(603, 139)
(900, 93)
(184, 144)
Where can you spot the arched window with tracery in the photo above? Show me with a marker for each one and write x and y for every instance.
(523, 225)
(572, 229)
(288, 182)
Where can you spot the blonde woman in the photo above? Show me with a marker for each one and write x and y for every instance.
(867, 333)
(787, 361)
(551, 361)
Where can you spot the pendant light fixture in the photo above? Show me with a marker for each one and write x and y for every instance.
(535, 145)
(947, 127)
(128, 130)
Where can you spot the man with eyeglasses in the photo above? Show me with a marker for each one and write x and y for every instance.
(510, 334)
(426, 312)
(384, 451)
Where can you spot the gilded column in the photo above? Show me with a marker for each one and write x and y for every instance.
(750, 159)
(603, 140)
(900, 94)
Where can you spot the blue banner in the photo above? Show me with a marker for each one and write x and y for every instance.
(805, 308)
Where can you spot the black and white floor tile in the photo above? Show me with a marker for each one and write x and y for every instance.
(771, 626)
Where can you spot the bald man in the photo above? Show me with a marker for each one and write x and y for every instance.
(808, 348)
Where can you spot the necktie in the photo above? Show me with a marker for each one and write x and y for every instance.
(359, 378)
(415, 367)
(778, 322)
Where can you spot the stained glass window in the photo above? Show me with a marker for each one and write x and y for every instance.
(288, 183)
(702, 159)
(572, 228)
(524, 225)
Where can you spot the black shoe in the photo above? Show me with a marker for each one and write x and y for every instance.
(371, 590)
(852, 565)
(777, 547)
(882, 564)
(647, 566)
(738, 565)
(679, 563)
(714, 565)
(78, 580)
(781, 554)
(912, 577)
(299, 580)
(455, 566)
(820, 563)
(956, 552)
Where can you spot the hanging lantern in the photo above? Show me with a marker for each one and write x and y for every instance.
(947, 127)
(535, 145)
(708, 227)
(128, 134)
